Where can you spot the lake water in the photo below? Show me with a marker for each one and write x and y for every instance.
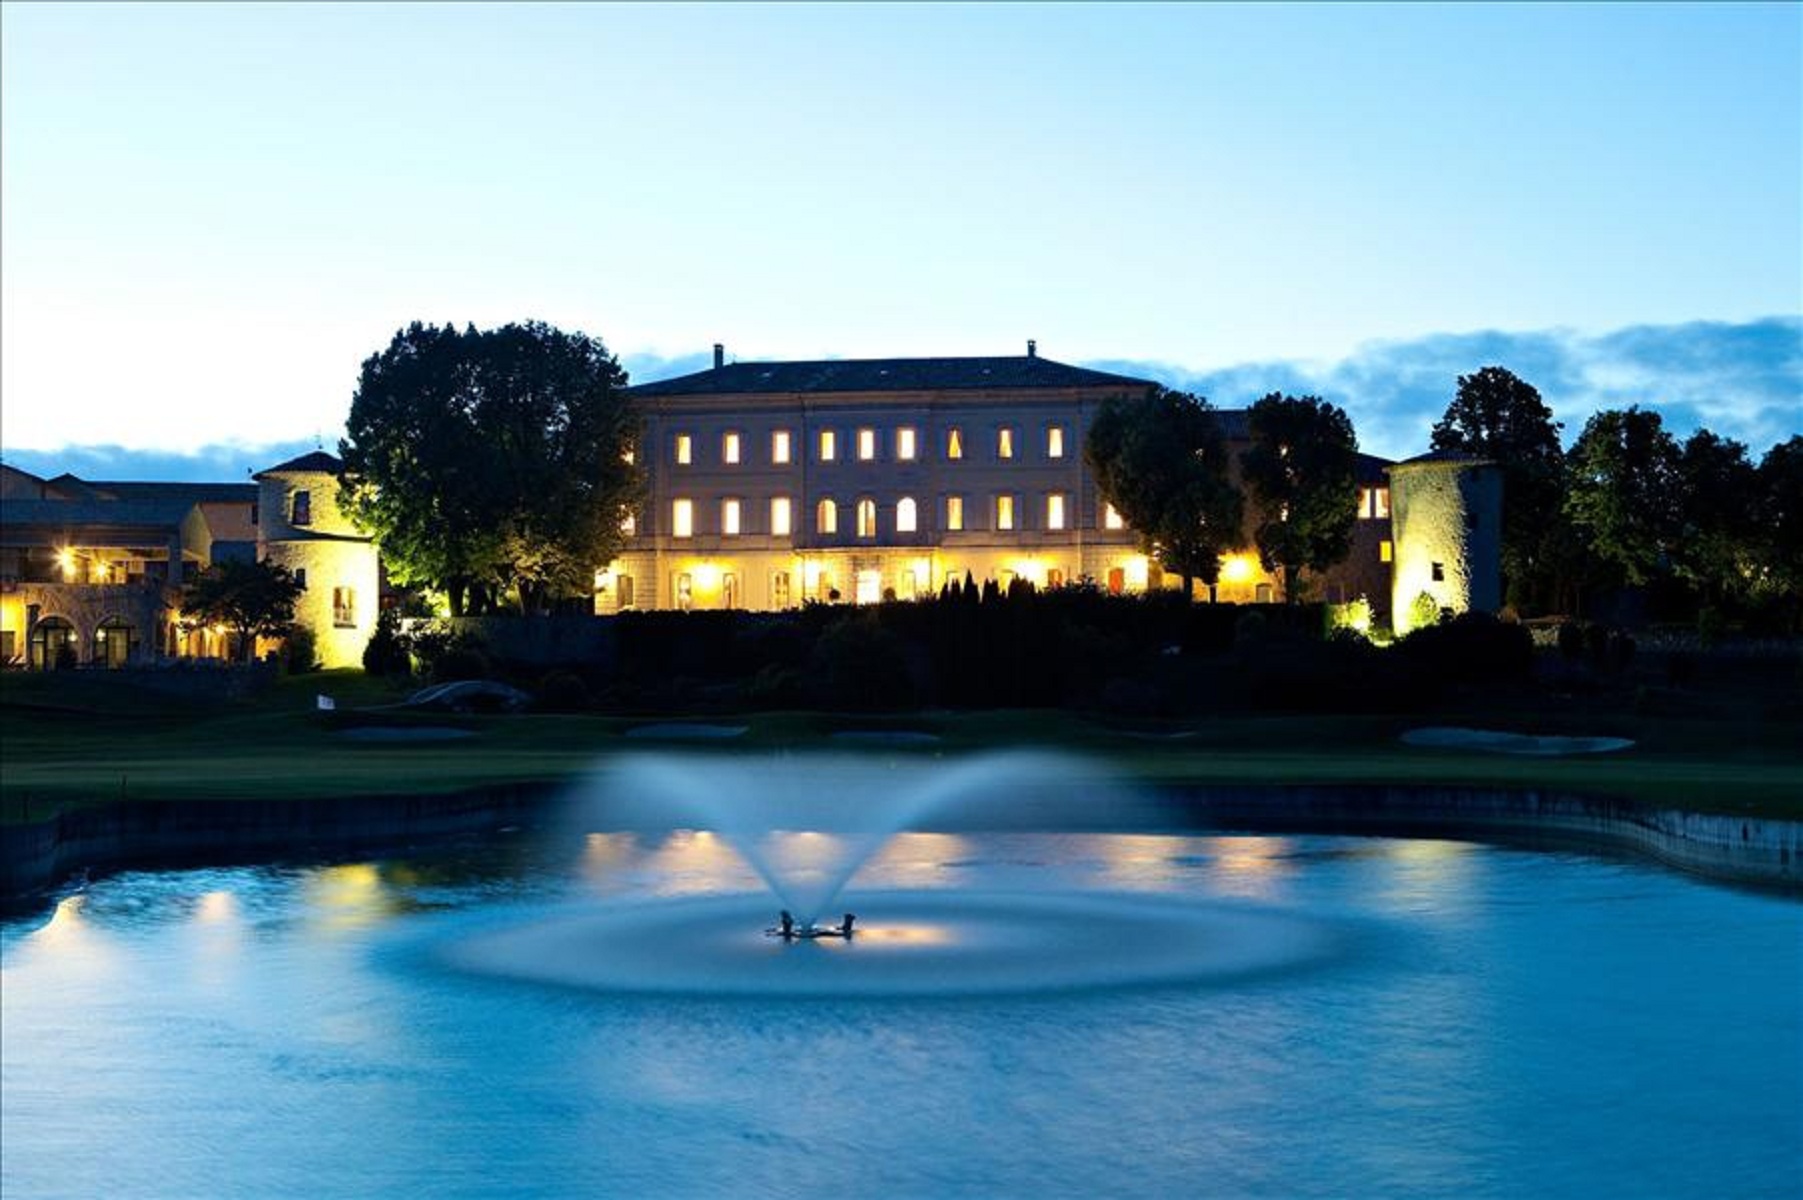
(1191, 1016)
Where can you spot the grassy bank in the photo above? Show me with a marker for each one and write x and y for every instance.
(84, 739)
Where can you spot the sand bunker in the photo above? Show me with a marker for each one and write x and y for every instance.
(1497, 742)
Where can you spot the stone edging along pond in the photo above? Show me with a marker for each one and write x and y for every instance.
(35, 858)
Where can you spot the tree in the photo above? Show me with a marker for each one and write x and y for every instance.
(1780, 544)
(489, 460)
(1501, 417)
(252, 599)
(1161, 460)
(1302, 470)
(1718, 517)
(1623, 490)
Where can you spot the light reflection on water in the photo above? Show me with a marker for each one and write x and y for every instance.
(1517, 1024)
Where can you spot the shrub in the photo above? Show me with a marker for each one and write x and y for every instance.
(1473, 647)
(1425, 611)
(466, 661)
(562, 692)
(857, 664)
(387, 652)
(299, 650)
(1571, 641)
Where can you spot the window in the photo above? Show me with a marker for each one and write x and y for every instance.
(1385, 552)
(1364, 504)
(954, 443)
(344, 607)
(781, 519)
(729, 518)
(685, 592)
(1054, 578)
(870, 587)
(301, 513)
(623, 589)
(685, 450)
(866, 445)
(867, 518)
(1004, 512)
(906, 515)
(829, 445)
(1381, 498)
(629, 456)
(1004, 442)
(300, 577)
(1054, 510)
(729, 448)
(253, 514)
(729, 590)
(779, 446)
(904, 444)
(1054, 442)
(826, 517)
(954, 513)
(1111, 518)
(682, 518)
(629, 525)
(779, 590)
(1439, 572)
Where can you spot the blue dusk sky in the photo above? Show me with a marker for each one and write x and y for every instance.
(211, 214)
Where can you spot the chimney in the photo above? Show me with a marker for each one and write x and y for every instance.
(1032, 348)
(719, 356)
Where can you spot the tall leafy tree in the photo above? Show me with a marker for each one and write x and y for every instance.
(1780, 568)
(492, 460)
(1302, 470)
(1498, 415)
(1623, 493)
(1161, 460)
(252, 599)
(1718, 516)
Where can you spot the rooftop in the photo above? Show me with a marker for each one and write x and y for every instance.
(884, 375)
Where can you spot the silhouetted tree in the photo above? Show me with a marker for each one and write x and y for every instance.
(1302, 469)
(1498, 415)
(252, 599)
(1624, 490)
(1161, 460)
(1780, 543)
(1718, 516)
(485, 460)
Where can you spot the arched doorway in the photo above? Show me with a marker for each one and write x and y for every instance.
(114, 643)
(53, 645)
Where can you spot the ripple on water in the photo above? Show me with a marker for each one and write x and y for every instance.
(907, 944)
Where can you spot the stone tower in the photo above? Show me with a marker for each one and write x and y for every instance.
(1446, 526)
(299, 526)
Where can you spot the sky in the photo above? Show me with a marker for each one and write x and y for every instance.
(210, 215)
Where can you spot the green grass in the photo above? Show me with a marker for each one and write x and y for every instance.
(83, 739)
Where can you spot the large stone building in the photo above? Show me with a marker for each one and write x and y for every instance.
(91, 571)
(772, 483)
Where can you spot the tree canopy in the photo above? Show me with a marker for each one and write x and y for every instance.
(490, 460)
(252, 599)
(1500, 416)
(1624, 492)
(1161, 460)
(1780, 541)
(1718, 515)
(1302, 470)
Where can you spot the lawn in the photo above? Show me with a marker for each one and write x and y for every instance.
(82, 739)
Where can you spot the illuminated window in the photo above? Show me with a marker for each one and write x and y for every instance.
(685, 592)
(906, 515)
(629, 524)
(1364, 504)
(954, 443)
(867, 518)
(628, 456)
(685, 450)
(829, 445)
(729, 517)
(729, 448)
(302, 511)
(1054, 442)
(1385, 553)
(779, 446)
(1382, 498)
(623, 589)
(904, 445)
(1004, 442)
(826, 517)
(780, 516)
(344, 607)
(1054, 510)
(1111, 518)
(1054, 578)
(866, 445)
(1004, 512)
(954, 513)
(682, 518)
(729, 590)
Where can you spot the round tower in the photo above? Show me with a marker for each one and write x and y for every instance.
(1446, 531)
(300, 526)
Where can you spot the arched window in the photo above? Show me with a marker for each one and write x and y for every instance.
(867, 518)
(826, 517)
(114, 642)
(52, 646)
(906, 520)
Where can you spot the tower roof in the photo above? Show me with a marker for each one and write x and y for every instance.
(314, 461)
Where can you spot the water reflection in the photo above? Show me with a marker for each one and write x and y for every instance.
(693, 861)
(1256, 868)
(350, 896)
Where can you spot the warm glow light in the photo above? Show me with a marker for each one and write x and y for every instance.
(215, 907)
(707, 576)
(1236, 568)
(65, 558)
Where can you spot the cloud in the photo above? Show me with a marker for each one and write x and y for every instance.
(216, 463)
(1741, 380)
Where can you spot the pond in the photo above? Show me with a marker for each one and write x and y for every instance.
(598, 1012)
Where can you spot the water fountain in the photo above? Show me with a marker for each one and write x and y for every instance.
(806, 825)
